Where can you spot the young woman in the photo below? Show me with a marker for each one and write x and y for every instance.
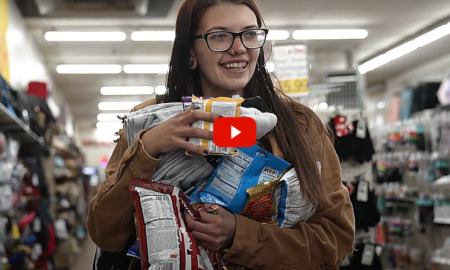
(218, 52)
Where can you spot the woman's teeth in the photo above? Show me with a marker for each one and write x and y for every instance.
(241, 65)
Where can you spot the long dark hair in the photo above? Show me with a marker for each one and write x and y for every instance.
(182, 81)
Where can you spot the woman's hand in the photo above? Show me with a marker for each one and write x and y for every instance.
(213, 231)
(172, 133)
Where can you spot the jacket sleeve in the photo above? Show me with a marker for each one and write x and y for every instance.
(110, 219)
(320, 243)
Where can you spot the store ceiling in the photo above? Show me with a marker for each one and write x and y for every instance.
(387, 21)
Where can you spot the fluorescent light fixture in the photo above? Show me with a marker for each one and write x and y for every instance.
(401, 50)
(153, 36)
(146, 68)
(126, 90)
(89, 69)
(109, 125)
(433, 35)
(117, 106)
(84, 36)
(330, 34)
(373, 64)
(278, 35)
(109, 117)
(160, 90)
(387, 57)
(405, 48)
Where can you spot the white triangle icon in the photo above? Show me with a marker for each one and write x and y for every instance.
(234, 132)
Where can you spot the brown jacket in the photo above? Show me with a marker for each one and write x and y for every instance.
(320, 243)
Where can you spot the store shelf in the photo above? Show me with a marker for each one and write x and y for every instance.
(11, 124)
(441, 260)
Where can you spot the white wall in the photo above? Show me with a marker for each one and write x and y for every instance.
(27, 64)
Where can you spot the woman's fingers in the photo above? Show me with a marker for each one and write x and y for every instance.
(197, 115)
(213, 231)
(173, 133)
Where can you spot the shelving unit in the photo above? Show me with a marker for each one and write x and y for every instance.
(11, 124)
(28, 182)
(412, 229)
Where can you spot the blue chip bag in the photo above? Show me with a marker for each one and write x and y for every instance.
(235, 174)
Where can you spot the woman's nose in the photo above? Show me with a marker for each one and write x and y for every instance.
(237, 46)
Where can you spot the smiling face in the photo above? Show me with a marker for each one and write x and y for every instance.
(225, 73)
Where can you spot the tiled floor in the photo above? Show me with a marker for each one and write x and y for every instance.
(83, 260)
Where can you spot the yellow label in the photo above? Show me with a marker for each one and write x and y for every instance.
(295, 86)
(4, 59)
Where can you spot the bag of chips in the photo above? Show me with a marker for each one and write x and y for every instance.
(164, 240)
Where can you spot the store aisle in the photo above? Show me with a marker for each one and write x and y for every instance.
(83, 260)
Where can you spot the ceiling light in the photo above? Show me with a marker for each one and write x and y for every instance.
(146, 68)
(405, 48)
(373, 64)
(433, 35)
(160, 90)
(153, 36)
(109, 125)
(84, 36)
(88, 69)
(278, 35)
(401, 50)
(387, 57)
(126, 90)
(330, 34)
(117, 106)
(109, 117)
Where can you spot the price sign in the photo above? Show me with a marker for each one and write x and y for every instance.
(291, 68)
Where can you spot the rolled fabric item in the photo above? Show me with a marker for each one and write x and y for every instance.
(153, 115)
(175, 168)
(265, 121)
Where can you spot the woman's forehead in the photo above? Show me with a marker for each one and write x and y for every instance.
(227, 16)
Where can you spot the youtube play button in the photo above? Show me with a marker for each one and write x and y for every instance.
(234, 132)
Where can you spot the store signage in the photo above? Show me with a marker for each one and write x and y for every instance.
(4, 59)
(291, 69)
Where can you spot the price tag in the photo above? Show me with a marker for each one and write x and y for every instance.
(363, 191)
(378, 250)
(36, 225)
(368, 254)
(361, 129)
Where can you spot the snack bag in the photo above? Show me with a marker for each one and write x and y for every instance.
(262, 201)
(293, 207)
(229, 182)
(164, 240)
(224, 106)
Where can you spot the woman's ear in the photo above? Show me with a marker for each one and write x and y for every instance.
(192, 63)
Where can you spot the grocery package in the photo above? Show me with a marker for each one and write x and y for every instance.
(234, 175)
(164, 240)
(223, 106)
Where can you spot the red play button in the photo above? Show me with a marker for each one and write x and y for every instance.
(234, 132)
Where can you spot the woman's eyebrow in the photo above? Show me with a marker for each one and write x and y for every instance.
(222, 28)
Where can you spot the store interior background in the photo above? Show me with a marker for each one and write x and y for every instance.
(74, 98)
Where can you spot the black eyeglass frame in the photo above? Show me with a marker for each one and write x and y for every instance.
(238, 34)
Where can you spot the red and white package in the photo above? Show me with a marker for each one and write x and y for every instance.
(164, 240)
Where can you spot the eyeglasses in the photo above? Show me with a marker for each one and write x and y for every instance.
(221, 41)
